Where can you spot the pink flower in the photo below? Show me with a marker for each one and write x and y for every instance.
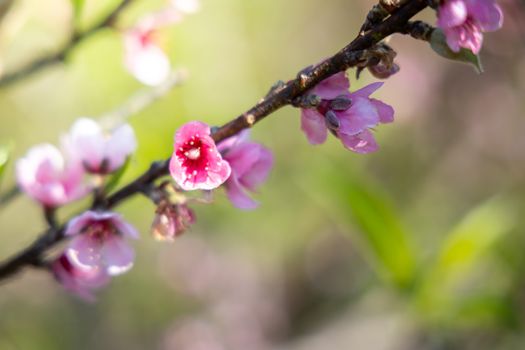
(44, 175)
(78, 280)
(196, 162)
(171, 221)
(464, 21)
(99, 152)
(348, 115)
(99, 242)
(250, 163)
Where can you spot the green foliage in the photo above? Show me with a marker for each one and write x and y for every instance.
(4, 160)
(114, 180)
(78, 5)
(438, 43)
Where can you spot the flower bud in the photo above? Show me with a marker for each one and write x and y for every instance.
(341, 103)
(171, 221)
(332, 121)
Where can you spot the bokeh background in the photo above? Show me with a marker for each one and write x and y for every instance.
(418, 246)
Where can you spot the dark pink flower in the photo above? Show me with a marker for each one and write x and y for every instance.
(81, 281)
(250, 163)
(44, 175)
(196, 162)
(464, 21)
(99, 242)
(350, 116)
(98, 151)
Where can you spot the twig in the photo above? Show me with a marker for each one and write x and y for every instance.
(283, 95)
(51, 59)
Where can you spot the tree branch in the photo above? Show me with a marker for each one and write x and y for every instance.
(282, 95)
(51, 59)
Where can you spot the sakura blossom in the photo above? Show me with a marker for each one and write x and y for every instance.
(464, 21)
(44, 175)
(99, 242)
(81, 281)
(171, 220)
(196, 163)
(250, 163)
(98, 151)
(348, 115)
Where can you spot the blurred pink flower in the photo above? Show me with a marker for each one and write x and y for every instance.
(44, 175)
(80, 281)
(250, 163)
(171, 221)
(99, 152)
(99, 242)
(186, 6)
(464, 21)
(196, 162)
(348, 115)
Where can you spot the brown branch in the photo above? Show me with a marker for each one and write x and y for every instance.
(54, 58)
(282, 95)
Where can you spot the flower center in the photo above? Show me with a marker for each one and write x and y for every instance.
(193, 153)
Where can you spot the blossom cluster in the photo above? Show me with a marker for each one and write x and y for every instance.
(99, 246)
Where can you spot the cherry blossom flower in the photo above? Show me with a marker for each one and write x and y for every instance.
(44, 175)
(464, 21)
(349, 116)
(97, 151)
(196, 162)
(250, 163)
(99, 242)
(81, 281)
(171, 221)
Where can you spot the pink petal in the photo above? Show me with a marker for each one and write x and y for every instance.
(487, 13)
(188, 130)
(243, 157)
(332, 87)
(84, 251)
(259, 171)
(386, 112)
(238, 196)
(148, 64)
(366, 91)
(216, 177)
(121, 144)
(360, 116)
(360, 143)
(78, 223)
(452, 13)
(125, 228)
(313, 125)
(118, 256)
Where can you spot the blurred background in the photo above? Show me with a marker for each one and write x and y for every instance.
(417, 246)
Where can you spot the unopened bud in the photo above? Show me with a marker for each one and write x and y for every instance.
(341, 103)
(381, 71)
(332, 121)
(171, 221)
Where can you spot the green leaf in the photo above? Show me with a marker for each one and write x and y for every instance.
(78, 5)
(438, 43)
(116, 177)
(462, 253)
(372, 219)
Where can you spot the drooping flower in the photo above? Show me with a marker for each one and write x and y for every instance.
(171, 220)
(464, 21)
(99, 242)
(45, 176)
(350, 116)
(97, 151)
(196, 162)
(250, 163)
(81, 281)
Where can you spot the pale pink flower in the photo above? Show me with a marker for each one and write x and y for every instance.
(196, 162)
(171, 221)
(98, 151)
(250, 163)
(99, 242)
(186, 6)
(350, 116)
(464, 21)
(44, 175)
(81, 281)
